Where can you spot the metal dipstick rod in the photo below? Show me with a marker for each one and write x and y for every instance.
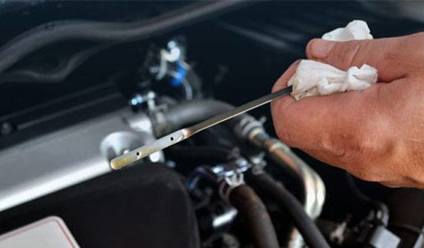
(185, 133)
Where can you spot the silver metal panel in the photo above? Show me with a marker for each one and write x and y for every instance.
(61, 159)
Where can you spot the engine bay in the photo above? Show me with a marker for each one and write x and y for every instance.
(85, 82)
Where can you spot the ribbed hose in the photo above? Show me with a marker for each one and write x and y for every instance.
(281, 154)
(255, 214)
(279, 194)
(56, 31)
(313, 186)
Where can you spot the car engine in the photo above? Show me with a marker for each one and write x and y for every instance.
(83, 82)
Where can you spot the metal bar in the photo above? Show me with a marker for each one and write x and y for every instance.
(185, 133)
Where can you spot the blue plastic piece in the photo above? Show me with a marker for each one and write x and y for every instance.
(180, 74)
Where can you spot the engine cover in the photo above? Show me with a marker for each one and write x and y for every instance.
(142, 206)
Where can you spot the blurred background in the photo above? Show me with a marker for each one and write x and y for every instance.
(233, 54)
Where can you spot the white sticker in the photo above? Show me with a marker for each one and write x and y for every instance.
(50, 232)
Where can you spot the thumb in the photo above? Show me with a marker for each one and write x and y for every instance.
(383, 54)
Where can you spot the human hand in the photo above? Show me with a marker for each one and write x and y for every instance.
(377, 134)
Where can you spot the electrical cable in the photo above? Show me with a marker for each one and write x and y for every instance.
(96, 31)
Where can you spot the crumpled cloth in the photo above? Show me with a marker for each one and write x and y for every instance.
(314, 78)
(354, 30)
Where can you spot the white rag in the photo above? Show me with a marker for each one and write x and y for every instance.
(314, 78)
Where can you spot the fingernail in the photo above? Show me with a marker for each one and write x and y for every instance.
(319, 48)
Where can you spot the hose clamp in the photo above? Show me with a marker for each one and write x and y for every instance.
(229, 183)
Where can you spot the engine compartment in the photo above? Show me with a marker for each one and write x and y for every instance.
(71, 105)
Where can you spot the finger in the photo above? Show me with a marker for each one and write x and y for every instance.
(330, 123)
(282, 81)
(389, 55)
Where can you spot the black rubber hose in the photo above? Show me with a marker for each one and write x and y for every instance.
(255, 214)
(187, 113)
(56, 75)
(52, 32)
(202, 154)
(278, 193)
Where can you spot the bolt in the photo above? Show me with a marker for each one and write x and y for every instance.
(6, 128)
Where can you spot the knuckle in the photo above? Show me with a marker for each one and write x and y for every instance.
(390, 56)
(349, 52)
(373, 137)
(412, 46)
(346, 146)
(405, 51)
(356, 155)
(333, 145)
(367, 153)
(366, 145)
(354, 51)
